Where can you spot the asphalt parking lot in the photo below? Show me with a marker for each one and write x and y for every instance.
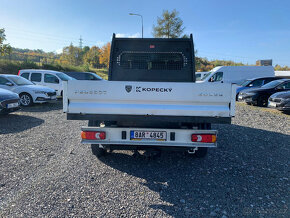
(45, 171)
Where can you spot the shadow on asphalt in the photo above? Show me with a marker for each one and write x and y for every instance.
(13, 123)
(244, 166)
(44, 107)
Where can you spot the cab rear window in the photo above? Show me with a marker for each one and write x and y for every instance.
(151, 61)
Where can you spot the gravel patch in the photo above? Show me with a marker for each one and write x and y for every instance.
(46, 172)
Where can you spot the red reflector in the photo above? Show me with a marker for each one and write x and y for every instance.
(152, 46)
(91, 135)
(207, 138)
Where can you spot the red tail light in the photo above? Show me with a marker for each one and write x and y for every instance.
(93, 135)
(19, 73)
(205, 138)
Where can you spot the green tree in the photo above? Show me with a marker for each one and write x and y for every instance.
(169, 25)
(72, 55)
(5, 49)
(92, 57)
(85, 50)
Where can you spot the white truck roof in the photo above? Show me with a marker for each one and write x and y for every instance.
(40, 70)
(282, 73)
(237, 74)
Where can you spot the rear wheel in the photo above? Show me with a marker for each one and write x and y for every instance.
(201, 152)
(25, 99)
(4, 113)
(96, 150)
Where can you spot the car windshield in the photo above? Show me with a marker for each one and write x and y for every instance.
(20, 81)
(95, 76)
(64, 77)
(245, 83)
(205, 75)
(272, 84)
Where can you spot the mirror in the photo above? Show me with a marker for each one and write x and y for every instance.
(9, 84)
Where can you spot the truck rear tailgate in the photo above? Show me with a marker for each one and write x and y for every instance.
(149, 98)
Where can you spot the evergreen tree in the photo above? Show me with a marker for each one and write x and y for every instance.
(169, 25)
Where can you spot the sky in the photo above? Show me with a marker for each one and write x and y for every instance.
(238, 30)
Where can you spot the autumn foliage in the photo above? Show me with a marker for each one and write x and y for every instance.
(105, 54)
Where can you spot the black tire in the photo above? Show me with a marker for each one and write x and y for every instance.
(4, 113)
(262, 101)
(97, 151)
(201, 152)
(25, 99)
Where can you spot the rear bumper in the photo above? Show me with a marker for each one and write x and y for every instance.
(4, 106)
(120, 137)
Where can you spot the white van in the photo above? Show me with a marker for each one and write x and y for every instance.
(237, 74)
(283, 74)
(50, 78)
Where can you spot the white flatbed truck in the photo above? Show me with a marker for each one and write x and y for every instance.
(151, 100)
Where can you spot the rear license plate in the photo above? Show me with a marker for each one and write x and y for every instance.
(272, 104)
(12, 105)
(148, 135)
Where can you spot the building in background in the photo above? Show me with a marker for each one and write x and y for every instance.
(264, 62)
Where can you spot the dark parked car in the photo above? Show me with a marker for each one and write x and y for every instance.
(260, 96)
(9, 101)
(255, 83)
(83, 75)
(280, 101)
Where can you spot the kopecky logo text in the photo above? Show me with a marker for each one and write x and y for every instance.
(147, 89)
